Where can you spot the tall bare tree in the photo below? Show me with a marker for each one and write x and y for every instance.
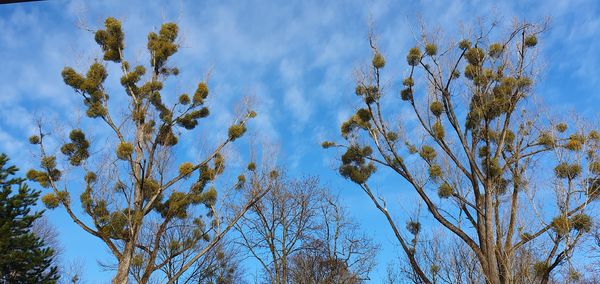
(338, 252)
(481, 146)
(274, 229)
(131, 186)
(299, 233)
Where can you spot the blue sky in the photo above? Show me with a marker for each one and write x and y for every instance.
(294, 58)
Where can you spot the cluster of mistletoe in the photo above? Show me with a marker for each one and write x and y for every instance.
(150, 128)
(475, 155)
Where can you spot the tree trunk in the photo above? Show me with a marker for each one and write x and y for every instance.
(284, 270)
(145, 279)
(124, 264)
(491, 271)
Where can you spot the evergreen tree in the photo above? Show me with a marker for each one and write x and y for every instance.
(24, 257)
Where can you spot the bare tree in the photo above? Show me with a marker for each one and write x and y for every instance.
(338, 252)
(179, 244)
(48, 232)
(72, 272)
(300, 234)
(275, 227)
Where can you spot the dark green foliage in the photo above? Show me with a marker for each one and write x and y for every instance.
(561, 225)
(435, 172)
(327, 144)
(162, 46)
(427, 153)
(531, 41)
(445, 190)
(201, 93)
(475, 56)
(190, 120)
(436, 108)
(413, 227)
(236, 131)
(414, 56)
(378, 60)
(184, 99)
(547, 140)
(561, 127)
(34, 139)
(438, 130)
(166, 137)
(77, 149)
(408, 82)
(431, 49)
(186, 168)
(582, 222)
(495, 50)
(24, 257)
(464, 44)
(354, 165)
(363, 115)
(90, 87)
(575, 142)
(406, 94)
(360, 120)
(111, 39)
(50, 200)
(124, 150)
(540, 268)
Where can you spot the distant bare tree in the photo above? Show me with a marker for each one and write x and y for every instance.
(338, 252)
(300, 234)
(275, 227)
(47, 232)
(72, 272)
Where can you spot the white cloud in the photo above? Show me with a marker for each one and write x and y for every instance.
(299, 106)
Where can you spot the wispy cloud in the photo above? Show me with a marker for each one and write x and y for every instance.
(295, 58)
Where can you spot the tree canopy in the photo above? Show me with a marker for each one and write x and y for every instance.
(24, 257)
(472, 156)
(132, 195)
